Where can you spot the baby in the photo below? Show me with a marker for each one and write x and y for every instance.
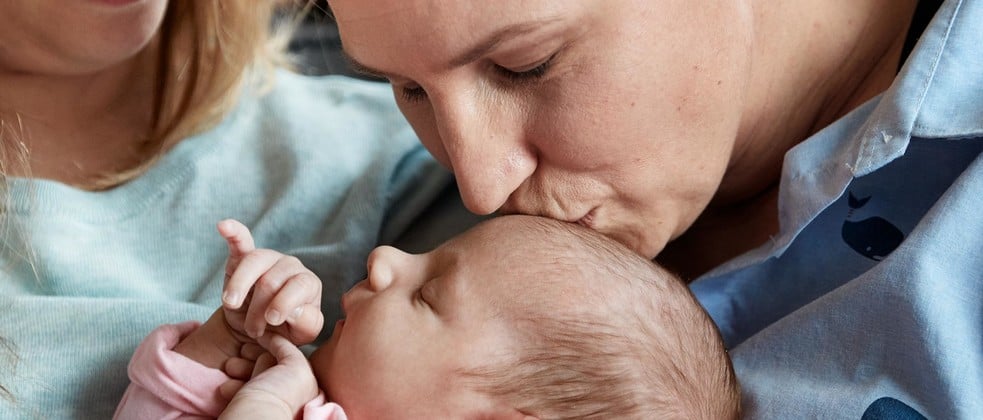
(519, 317)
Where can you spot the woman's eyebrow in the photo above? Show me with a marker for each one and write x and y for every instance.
(479, 50)
(492, 41)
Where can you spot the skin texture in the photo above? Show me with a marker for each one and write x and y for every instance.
(74, 38)
(638, 119)
(416, 321)
(77, 75)
(266, 294)
(412, 325)
(420, 327)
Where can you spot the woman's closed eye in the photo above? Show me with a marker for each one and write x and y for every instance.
(413, 93)
(522, 75)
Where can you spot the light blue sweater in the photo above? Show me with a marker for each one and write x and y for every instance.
(320, 168)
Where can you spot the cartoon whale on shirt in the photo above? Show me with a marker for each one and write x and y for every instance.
(873, 237)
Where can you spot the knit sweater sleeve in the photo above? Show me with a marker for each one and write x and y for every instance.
(321, 409)
(167, 385)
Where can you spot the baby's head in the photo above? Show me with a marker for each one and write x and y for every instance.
(525, 317)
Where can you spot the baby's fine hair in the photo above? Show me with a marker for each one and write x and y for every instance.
(638, 346)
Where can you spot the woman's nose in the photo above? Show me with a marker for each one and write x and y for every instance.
(385, 264)
(485, 144)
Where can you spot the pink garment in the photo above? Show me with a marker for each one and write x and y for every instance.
(167, 385)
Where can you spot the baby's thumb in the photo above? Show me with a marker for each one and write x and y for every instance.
(238, 238)
(281, 349)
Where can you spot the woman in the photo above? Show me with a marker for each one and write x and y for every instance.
(769, 151)
(129, 129)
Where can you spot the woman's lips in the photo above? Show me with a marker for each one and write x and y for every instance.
(117, 2)
(587, 220)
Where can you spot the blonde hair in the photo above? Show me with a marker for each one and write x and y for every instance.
(209, 50)
(642, 348)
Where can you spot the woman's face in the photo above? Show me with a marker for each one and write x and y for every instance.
(74, 37)
(618, 114)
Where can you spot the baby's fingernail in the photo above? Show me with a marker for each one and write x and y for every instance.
(254, 333)
(273, 317)
(230, 298)
(296, 314)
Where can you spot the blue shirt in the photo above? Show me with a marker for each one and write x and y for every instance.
(319, 168)
(869, 301)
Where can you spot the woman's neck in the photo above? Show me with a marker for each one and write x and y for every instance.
(813, 63)
(78, 128)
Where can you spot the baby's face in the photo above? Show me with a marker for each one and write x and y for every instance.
(415, 323)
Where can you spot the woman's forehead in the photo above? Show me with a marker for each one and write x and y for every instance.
(445, 11)
(376, 32)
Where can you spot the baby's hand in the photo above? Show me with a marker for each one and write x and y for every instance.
(264, 287)
(281, 382)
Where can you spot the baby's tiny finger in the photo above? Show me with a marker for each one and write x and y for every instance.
(266, 288)
(264, 362)
(237, 236)
(252, 266)
(307, 325)
(229, 388)
(282, 349)
(251, 351)
(300, 289)
(238, 368)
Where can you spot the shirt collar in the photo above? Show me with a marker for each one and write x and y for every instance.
(937, 94)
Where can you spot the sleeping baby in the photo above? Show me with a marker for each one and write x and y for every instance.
(519, 317)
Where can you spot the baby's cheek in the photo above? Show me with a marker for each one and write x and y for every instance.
(321, 365)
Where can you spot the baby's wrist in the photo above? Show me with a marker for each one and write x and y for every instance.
(212, 344)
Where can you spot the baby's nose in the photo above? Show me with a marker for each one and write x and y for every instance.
(382, 264)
